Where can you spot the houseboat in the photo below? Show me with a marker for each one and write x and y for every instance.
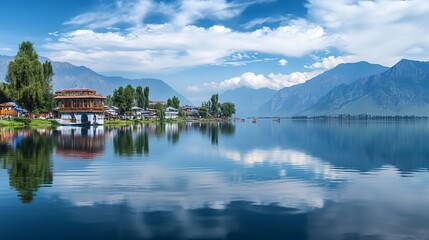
(80, 107)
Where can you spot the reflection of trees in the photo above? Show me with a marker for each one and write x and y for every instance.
(142, 143)
(29, 163)
(212, 130)
(128, 140)
(123, 142)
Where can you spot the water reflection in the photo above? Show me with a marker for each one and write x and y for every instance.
(28, 158)
(80, 142)
(212, 130)
(293, 179)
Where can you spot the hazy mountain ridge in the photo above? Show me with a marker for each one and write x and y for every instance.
(292, 100)
(247, 100)
(401, 90)
(70, 76)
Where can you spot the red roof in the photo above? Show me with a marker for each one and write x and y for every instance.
(80, 96)
(75, 90)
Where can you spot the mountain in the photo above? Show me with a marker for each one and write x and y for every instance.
(247, 100)
(401, 90)
(70, 76)
(293, 100)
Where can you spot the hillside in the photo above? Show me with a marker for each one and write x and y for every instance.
(290, 101)
(401, 90)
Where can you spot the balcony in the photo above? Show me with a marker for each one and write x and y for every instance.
(4, 112)
(81, 109)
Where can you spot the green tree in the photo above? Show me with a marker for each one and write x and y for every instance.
(139, 97)
(29, 82)
(175, 102)
(169, 103)
(146, 97)
(123, 98)
(227, 109)
(160, 111)
(109, 100)
(3, 97)
(118, 98)
(203, 111)
(48, 96)
(214, 102)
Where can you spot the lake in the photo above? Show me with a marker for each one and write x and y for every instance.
(239, 180)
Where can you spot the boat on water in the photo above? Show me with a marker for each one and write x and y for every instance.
(254, 120)
(276, 119)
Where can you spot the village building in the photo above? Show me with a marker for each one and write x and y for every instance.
(80, 107)
(171, 112)
(10, 109)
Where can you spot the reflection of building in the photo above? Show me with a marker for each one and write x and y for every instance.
(80, 143)
(80, 106)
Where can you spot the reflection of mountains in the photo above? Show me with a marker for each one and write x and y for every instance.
(363, 146)
(81, 142)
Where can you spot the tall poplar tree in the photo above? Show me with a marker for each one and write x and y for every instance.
(29, 82)
(139, 97)
(146, 97)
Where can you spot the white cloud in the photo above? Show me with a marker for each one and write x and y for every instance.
(6, 49)
(153, 48)
(273, 81)
(379, 31)
(283, 62)
(327, 63)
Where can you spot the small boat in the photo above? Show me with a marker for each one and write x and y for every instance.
(276, 119)
(254, 120)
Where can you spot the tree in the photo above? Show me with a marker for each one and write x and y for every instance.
(146, 97)
(203, 111)
(175, 102)
(139, 97)
(109, 100)
(48, 74)
(227, 109)
(169, 103)
(214, 102)
(29, 82)
(123, 98)
(160, 111)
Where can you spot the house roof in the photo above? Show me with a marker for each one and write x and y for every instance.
(76, 90)
(80, 96)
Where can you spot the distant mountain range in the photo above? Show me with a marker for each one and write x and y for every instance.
(293, 100)
(247, 100)
(351, 88)
(401, 90)
(70, 76)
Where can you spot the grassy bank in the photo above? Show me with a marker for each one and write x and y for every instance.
(27, 122)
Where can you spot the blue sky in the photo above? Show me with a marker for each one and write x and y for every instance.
(202, 47)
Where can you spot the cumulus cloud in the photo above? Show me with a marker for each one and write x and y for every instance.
(257, 81)
(158, 47)
(282, 62)
(380, 31)
(326, 63)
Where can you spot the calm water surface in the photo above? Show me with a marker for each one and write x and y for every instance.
(288, 180)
